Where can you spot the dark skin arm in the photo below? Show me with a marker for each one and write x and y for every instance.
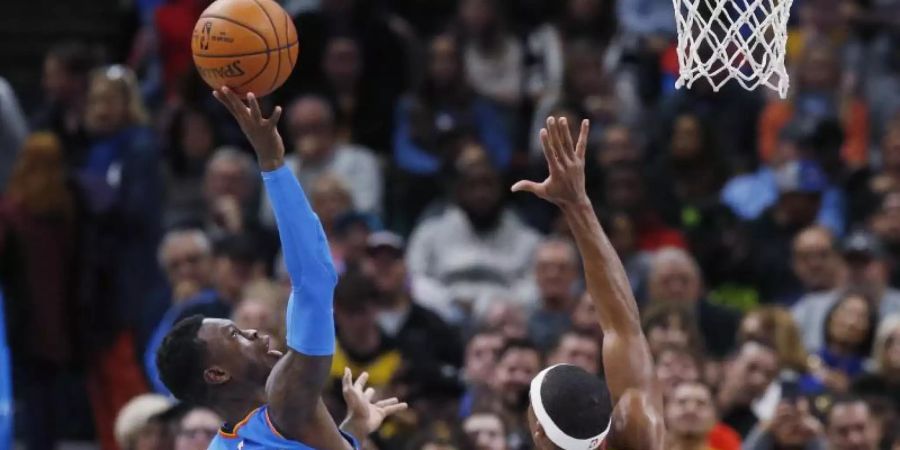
(295, 385)
(638, 416)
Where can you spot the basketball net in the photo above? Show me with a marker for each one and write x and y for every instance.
(721, 40)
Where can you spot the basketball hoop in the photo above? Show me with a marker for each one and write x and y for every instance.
(721, 40)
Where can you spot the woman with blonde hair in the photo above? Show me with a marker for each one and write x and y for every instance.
(775, 324)
(119, 177)
(883, 377)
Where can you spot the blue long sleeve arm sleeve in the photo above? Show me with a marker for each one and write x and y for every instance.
(310, 317)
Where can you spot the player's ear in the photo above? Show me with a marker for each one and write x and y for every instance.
(216, 375)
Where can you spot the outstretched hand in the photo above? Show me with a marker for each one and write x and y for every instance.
(565, 159)
(364, 415)
(261, 132)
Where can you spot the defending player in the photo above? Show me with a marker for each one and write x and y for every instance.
(570, 408)
(270, 400)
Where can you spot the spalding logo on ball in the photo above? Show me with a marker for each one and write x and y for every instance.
(247, 45)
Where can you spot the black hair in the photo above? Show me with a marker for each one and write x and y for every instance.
(576, 401)
(843, 400)
(581, 334)
(354, 291)
(864, 348)
(243, 248)
(519, 344)
(76, 57)
(180, 361)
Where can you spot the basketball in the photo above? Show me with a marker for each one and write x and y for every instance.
(246, 45)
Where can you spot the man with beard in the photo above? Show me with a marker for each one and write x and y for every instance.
(473, 251)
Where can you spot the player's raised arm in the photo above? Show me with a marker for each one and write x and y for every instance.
(296, 383)
(626, 355)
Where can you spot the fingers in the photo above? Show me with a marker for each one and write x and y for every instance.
(528, 186)
(387, 402)
(554, 139)
(361, 381)
(369, 394)
(393, 409)
(553, 162)
(581, 146)
(276, 115)
(568, 150)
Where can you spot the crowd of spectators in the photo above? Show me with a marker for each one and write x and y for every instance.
(761, 235)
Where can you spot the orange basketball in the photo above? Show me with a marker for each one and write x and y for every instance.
(247, 45)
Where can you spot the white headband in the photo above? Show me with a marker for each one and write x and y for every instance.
(557, 436)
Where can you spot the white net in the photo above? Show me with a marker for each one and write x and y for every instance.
(744, 40)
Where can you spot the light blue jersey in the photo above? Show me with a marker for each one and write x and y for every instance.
(256, 432)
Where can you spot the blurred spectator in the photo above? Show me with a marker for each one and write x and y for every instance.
(518, 363)
(555, 272)
(800, 185)
(576, 348)
(491, 252)
(439, 435)
(192, 139)
(362, 109)
(362, 346)
(590, 90)
(885, 223)
(331, 199)
(617, 144)
(139, 426)
(507, 317)
(848, 334)
(174, 22)
(481, 354)
(262, 309)
(584, 317)
(624, 189)
(120, 183)
(776, 325)
(64, 80)
(883, 380)
(748, 373)
(671, 324)
(197, 429)
(38, 229)
(690, 416)
(186, 258)
(620, 229)
(430, 122)
(311, 124)
(866, 187)
(492, 56)
(430, 347)
(13, 130)
(793, 426)
(818, 96)
(486, 430)
(350, 237)
(880, 83)
(677, 364)
(237, 261)
(850, 426)
(675, 277)
(816, 262)
(867, 269)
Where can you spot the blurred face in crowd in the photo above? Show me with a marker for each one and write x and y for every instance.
(481, 357)
(342, 63)
(867, 270)
(230, 275)
(583, 9)
(753, 369)
(674, 278)
(890, 361)
(819, 69)
(851, 427)
(617, 146)
(555, 272)
(197, 139)
(590, 79)
(579, 350)
(386, 268)
(61, 85)
(624, 189)
(670, 332)
(849, 324)
(799, 209)
(675, 367)
(253, 313)
(890, 148)
(444, 62)
(329, 199)
(311, 123)
(690, 413)
(513, 374)
(486, 431)
(622, 234)
(479, 194)
(228, 177)
(106, 111)
(478, 16)
(584, 317)
(358, 328)
(508, 318)
(154, 435)
(886, 222)
(187, 259)
(815, 261)
(197, 429)
(687, 137)
(793, 425)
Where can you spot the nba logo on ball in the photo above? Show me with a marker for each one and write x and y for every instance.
(247, 45)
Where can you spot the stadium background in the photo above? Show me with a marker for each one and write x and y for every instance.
(761, 236)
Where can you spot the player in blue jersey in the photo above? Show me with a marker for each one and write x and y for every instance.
(272, 400)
